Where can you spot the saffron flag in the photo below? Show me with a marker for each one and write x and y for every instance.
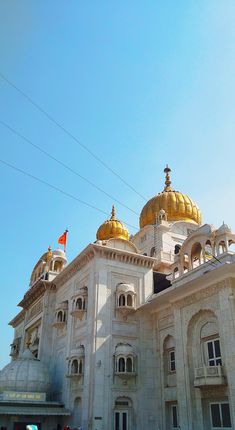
(62, 239)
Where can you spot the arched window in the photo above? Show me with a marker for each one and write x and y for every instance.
(74, 367)
(196, 254)
(122, 300)
(79, 303)
(80, 367)
(129, 300)
(152, 252)
(129, 364)
(121, 365)
(221, 247)
(60, 316)
(57, 266)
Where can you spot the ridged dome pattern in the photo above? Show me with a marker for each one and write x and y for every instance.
(26, 374)
(178, 206)
(112, 229)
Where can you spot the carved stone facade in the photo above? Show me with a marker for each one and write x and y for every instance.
(129, 342)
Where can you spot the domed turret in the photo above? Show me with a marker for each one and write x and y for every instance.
(176, 205)
(112, 229)
(25, 374)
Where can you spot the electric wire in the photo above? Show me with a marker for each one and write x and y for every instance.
(54, 187)
(68, 133)
(70, 169)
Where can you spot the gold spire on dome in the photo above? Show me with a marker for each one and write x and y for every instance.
(112, 229)
(178, 206)
(167, 170)
(49, 254)
(113, 214)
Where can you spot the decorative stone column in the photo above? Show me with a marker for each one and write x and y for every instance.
(183, 394)
(227, 330)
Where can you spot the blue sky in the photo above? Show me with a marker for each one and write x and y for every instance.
(141, 84)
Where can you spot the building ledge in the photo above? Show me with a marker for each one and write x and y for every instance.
(209, 376)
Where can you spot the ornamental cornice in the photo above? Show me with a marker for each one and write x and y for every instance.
(35, 293)
(95, 250)
(199, 295)
(17, 319)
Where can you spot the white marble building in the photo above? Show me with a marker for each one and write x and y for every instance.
(133, 333)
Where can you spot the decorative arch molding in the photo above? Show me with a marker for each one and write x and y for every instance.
(122, 402)
(204, 350)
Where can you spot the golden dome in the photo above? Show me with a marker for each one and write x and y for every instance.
(112, 229)
(177, 206)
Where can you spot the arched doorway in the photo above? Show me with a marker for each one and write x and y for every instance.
(123, 414)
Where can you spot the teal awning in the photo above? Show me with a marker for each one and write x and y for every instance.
(33, 410)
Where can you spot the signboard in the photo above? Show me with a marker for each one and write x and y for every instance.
(23, 396)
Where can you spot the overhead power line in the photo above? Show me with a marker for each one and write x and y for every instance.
(70, 169)
(55, 188)
(74, 138)
(59, 190)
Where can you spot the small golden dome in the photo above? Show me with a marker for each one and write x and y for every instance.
(112, 229)
(178, 206)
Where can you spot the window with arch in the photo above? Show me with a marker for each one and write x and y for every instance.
(121, 364)
(169, 361)
(75, 366)
(125, 298)
(61, 315)
(205, 356)
(124, 359)
(210, 342)
(129, 300)
(122, 413)
(79, 306)
(125, 365)
(196, 255)
(58, 265)
(122, 300)
(79, 303)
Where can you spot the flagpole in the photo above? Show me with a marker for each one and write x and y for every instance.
(66, 232)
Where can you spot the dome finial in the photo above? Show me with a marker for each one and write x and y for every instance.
(112, 229)
(113, 214)
(167, 171)
(49, 254)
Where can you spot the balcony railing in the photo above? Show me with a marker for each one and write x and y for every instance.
(209, 376)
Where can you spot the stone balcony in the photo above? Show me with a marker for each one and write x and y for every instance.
(209, 376)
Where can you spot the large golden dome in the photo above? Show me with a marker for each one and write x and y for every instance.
(112, 229)
(177, 206)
